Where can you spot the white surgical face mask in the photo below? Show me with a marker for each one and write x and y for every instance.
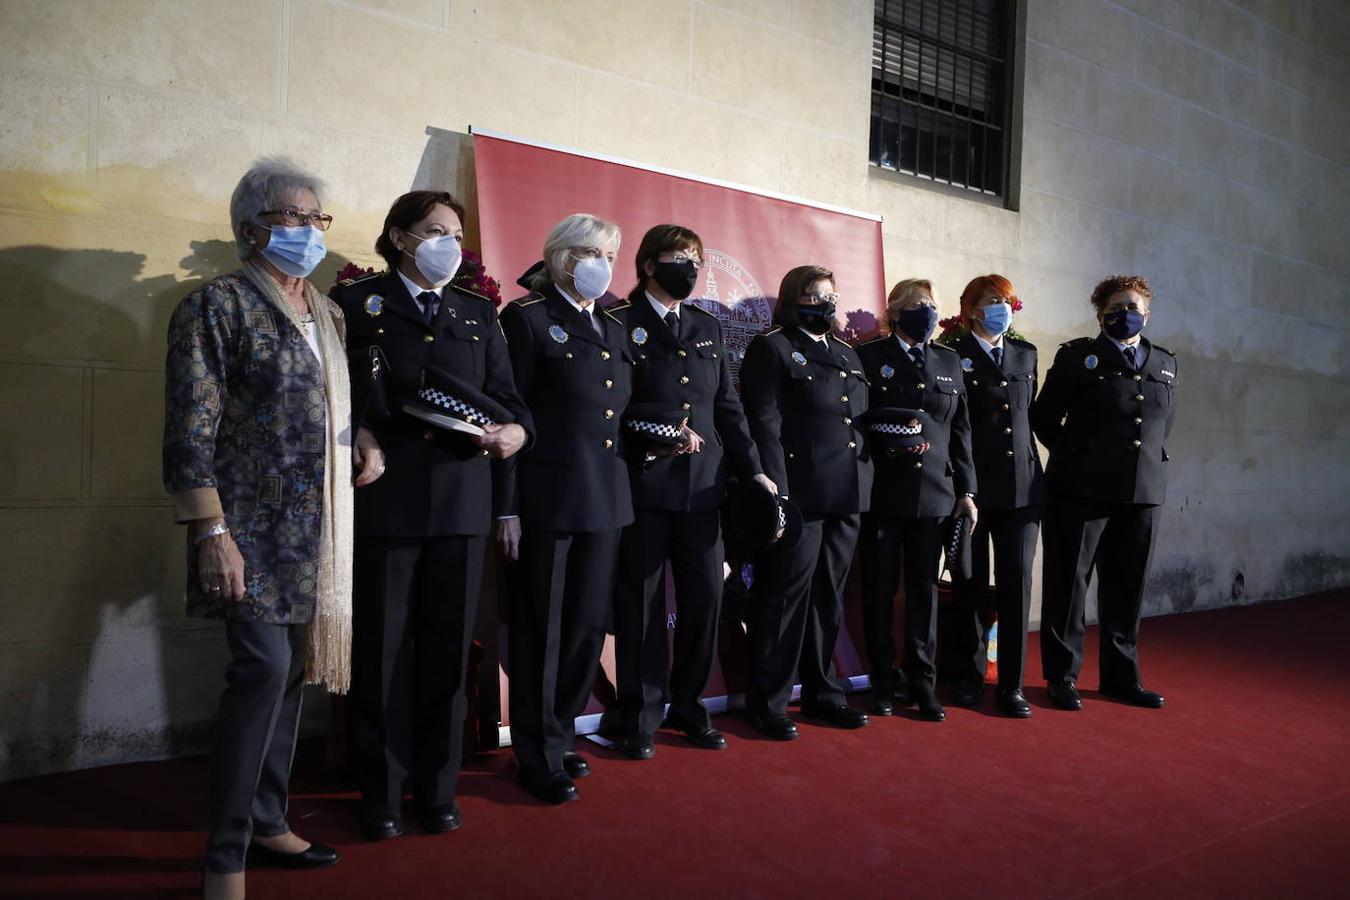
(437, 258)
(591, 277)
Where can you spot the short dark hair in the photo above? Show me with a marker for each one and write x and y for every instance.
(1114, 284)
(407, 210)
(790, 293)
(661, 239)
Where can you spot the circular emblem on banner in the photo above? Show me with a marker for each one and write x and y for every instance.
(966, 363)
(730, 292)
(639, 335)
(887, 372)
(374, 305)
(1090, 361)
(557, 333)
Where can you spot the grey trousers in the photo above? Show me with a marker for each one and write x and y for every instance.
(254, 740)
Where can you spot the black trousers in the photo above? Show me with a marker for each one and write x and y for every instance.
(890, 549)
(692, 541)
(413, 617)
(561, 591)
(1013, 532)
(796, 607)
(1117, 540)
(254, 740)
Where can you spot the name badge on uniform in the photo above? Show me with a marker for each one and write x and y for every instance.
(887, 372)
(798, 358)
(1090, 361)
(967, 364)
(374, 305)
(557, 333)
(639, 335)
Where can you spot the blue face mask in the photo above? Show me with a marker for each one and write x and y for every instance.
(1123, 324)
(295, 250)
(917, 322)
(997, 318)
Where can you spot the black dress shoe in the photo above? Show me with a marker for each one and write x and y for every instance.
(969, 692)
(1064, 694)
(882, 704)
(316, 856)
(1135, 695)
(930, 710)
(575, 766)
(779, 728)
(705, 737)
(555, 787)
(439, 819)
(381, 826)
(1012, 703)
(637, 747)
(840, 716)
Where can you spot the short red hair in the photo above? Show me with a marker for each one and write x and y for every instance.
(978, 285)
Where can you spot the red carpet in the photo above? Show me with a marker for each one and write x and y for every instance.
(1239, 788)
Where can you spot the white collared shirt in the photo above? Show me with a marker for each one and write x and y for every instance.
(818, 338)
(1140, 354)
(588, 311)
(906, 345)
(415, 291)
(661, 308)
(986, 346)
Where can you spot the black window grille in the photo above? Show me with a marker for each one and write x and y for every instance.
(941, 82)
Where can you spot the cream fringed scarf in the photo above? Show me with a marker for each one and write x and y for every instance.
(330, 635)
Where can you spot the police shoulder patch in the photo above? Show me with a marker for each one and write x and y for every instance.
(1077, 342)
(360, 278)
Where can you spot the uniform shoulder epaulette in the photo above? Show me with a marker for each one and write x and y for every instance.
(359, 278)
(609, 311)
(774, 330)
(876, 340)
(1077, 342)
(528, 300)
(1163, 349)
(1021, 342)
(696, 308)
(942, 346)
(840, 340)
(622, 304)
(474, 294)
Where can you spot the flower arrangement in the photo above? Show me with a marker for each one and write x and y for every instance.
(953, 328)
(472, 276)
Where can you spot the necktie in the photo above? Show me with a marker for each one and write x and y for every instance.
(589, 312)
(429, 302)
(672, 321)
(998, 356)
(1130, 358)
(916, 354)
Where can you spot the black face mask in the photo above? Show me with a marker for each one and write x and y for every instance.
(817, 318)
(917, 322)
(676, 278)
(1123, 324)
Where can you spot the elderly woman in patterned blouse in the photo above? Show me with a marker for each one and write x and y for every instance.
(256, 436)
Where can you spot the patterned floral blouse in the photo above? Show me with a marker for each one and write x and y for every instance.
(244, 436)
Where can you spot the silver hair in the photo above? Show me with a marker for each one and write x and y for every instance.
(577, 230)
(266, 186)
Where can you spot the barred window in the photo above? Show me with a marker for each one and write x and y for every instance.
(941, 82)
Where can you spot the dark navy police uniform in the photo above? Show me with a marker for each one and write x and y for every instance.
(1105, 423)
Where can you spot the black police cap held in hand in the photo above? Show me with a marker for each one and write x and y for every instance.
(656, 423)
(453, 404)
(754, 519)
(894, 429)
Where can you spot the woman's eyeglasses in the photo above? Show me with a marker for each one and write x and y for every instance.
(294, 218)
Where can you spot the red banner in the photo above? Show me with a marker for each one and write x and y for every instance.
(751, 239)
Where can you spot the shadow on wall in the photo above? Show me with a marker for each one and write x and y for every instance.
(104, 666)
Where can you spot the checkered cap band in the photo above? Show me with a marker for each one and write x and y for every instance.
(455, 405)
(654, 429)
(894, 428)
(782, 518)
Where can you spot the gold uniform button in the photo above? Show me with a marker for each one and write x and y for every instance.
(810, 378)
(379, 331)
(1138, 421)
(681, 353)
(1139, 378)
(608, 443)
(921, 385)
(609, 385)
(847, 420)
(843, 398)
(852, 444)
(475, 337)
(1139, 396)
(604, 354)
(1005, 406)
(883, 387)
(1003, 384)
(684, 379)
(843, 374)
(609, 414)
(1007, 431)
(792, 455)
(918, 465)
(428, 338)
(428, 434)
(685, 405)
(568, 354)
(1138, 443)
(1007, 453)
(485, 453)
